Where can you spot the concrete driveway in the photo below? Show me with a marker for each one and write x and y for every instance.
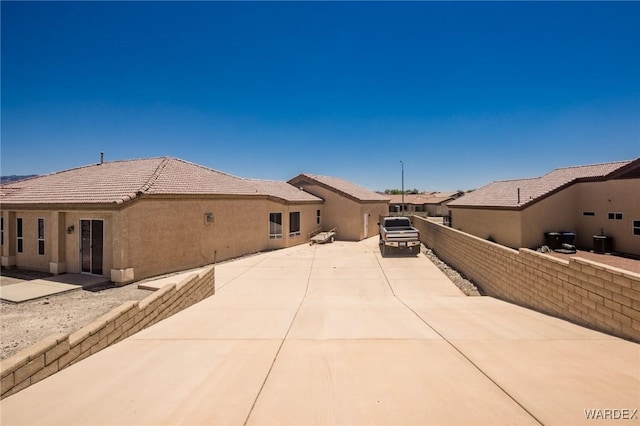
(336, 334)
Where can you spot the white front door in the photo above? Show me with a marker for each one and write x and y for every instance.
(366, 225)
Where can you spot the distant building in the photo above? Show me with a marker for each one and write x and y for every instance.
(599, 199)
(128, 220)
(428, 203)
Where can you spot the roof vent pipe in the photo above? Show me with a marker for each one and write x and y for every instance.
(518, 196)
(101, 157)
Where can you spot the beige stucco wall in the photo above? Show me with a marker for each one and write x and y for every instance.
(563, 212)
(62, 249)
(29, 255)
(154, 236)
(602, 198)
(347, 214)
(556, 213)
(165, 235)
(502, 226)
(373, 212)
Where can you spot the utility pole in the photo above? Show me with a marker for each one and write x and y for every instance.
(402, 164)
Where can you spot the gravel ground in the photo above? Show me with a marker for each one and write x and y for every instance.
(26, 323)
(461, 282)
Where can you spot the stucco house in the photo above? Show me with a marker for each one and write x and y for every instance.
(591, 200)
(133, 219)
(429, 203)
(354, 210)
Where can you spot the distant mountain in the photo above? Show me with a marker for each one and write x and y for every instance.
(14, 178)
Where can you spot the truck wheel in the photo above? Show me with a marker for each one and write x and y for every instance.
(384, 249)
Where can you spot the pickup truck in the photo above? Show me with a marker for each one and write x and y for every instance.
(397, 232)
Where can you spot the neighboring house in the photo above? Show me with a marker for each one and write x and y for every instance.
(430, 203)
(599, 199)
(133, 219)
(354, 210)
(412, 203)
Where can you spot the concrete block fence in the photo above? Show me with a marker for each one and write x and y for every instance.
(591, 294)
(60, 351)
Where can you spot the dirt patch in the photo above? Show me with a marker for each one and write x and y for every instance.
(27, 323)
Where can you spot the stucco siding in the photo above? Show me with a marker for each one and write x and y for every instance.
(168, 235)
(29, 255)
(556, 213)
(61, 247)
(347, 214)
(582, 208)
(154, 236)
(373, 211)
(601, 198)
(501, 226)
(339, 212)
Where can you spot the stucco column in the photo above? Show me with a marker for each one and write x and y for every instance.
(121, 271)
(58, 230)
(9, 247)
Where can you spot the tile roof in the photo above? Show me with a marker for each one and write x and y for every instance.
(284, 191)
(117, 182)
(426, 198)
(505, 193)
(347, 188)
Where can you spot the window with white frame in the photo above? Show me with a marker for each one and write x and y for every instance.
(1, 230)
(636, 227)
(275, 226)
(615, 216)
(317, 217)
(294, 224)
(19, 239)
(41, 237)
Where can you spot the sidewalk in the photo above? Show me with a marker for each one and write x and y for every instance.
(24, 290)
(336, 334)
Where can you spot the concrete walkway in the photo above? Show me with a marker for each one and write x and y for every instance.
(336, 334)
(24, 290)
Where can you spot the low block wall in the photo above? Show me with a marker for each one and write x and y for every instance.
(60, 351)
(584, 292)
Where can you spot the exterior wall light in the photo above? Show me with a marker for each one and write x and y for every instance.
(208, 218)
(70, 229)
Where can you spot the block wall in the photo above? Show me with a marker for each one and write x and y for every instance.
(57, 352)
(584, 292)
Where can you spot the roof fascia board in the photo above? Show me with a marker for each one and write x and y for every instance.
(332, 189)
(62, 207)
(485, 207)
(294, 202)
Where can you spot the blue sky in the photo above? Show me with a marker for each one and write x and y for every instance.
(463, 93)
